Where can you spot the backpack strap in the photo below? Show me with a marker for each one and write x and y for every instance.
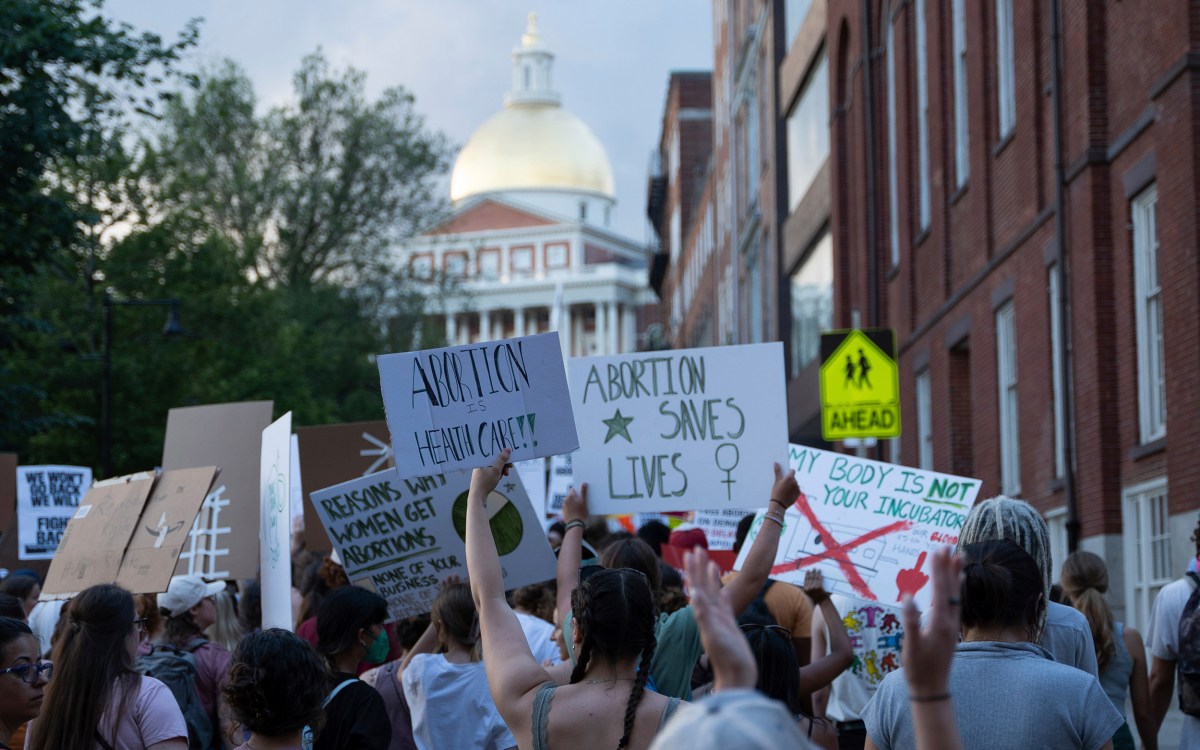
(193, 645)
(101, 741)
(337, 690)
(1193, 579)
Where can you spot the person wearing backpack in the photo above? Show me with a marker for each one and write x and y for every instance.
(97, 701)
(1173, 640)
(188, 609)
(349, 631)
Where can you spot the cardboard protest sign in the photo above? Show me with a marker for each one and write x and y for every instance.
(455, 408)
(93, 546)
(720, 526)
(689, 429)
(867, 525)
(400, 537)
(275, 559)
(562, 478)
(335, 453)
(47, 497)
(8, 489)
(161, 532)
(223, 540)
(533, 478)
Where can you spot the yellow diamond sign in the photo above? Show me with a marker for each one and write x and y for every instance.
(860, 384)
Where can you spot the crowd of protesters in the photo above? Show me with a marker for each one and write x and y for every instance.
(614, 652)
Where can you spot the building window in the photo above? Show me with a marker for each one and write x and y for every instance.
(1005, 67)
(1056, 525)
(489, 263)
(753, 289)
(422, 266)
(583, 210)
(1056, 374)
(893, 180)
(455, 264)
(812, 303)
(1152, 408)
(808, 132)
(1147, 550)
(924, 423)
(557, 256)
(794, 12)
(922, 119)
(521, 259)
(962, 156)
(1010, 418)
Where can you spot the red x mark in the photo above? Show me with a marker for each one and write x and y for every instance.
(839, 553)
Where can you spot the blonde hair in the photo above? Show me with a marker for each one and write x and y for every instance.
(227, 628)
(1085, 581)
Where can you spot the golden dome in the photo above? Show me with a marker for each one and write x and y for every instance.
(532, 147)
(533, 143)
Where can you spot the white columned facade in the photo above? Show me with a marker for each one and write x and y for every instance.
(601, 330)
(577, 335)
(519, 321)
(628, 328)
(451, 329)
(565, 330)
(614, 332)
(485, 325)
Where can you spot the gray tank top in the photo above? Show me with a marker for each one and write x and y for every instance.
(541, 714)
(1115, 677)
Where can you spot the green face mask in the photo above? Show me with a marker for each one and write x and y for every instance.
(378, 651)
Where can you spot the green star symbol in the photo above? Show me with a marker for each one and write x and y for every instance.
(618, 425)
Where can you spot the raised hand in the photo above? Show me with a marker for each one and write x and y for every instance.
(785, 490)
(814, 586)
(575, 506)
(485, 479)
(927, 653)
(726, 646)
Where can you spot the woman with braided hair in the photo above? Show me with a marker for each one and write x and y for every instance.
(606, 704)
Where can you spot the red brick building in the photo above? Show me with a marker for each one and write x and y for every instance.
(1023, 206)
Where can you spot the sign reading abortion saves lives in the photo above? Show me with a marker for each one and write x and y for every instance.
(868, 526)
(400, 537)
(456, 408)
(688, 429)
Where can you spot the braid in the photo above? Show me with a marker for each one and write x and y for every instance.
(583, 621)
(585, 655)
(639, 690)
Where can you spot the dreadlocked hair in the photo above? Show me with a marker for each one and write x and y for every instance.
(1085, 581)
(615, 612)
(1004, 517)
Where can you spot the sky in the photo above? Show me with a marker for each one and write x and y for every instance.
(613, 59)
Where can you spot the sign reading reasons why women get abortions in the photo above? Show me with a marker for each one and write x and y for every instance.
(47, 497)
(456, 408)
(401, 537)
(688, 429)
(867, 525)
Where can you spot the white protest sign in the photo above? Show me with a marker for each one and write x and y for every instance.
(688, 429)
(533, 478)
(561, 480)
(296, 487)
(867, 525)
(720, 526)
(275, 524)
(47, 497)
(456, 408)
(401, 537)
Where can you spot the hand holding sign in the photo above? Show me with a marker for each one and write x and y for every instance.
(575, 507)
(910, 580)
(814, 586)
(485, 479)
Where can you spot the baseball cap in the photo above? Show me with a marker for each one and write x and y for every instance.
(688, 536)
(740, 718)
(185, 592)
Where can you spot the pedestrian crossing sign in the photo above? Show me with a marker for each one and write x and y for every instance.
(860, 384)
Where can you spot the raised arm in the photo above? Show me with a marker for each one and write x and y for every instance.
(760, 558)
(927, 654)
(820, 698)
(728, 651)
(825, 669)
(512, 671)
(570, 552)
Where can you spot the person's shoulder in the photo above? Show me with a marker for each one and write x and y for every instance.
(154, 695)
(1060, 615)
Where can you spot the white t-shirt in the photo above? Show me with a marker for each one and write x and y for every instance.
(875, 633)
(1162, 641)
(451, 706)
(540, 634)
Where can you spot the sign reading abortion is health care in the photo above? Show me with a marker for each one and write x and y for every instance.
(401, 537)
(47, 497)
(688, 429)
(456, 408)
(867, 525)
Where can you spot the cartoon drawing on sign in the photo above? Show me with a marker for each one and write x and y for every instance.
(382, 452)
(276, 499)
(876, 647)
(503, 517)
(910, 581)
(162, 530)
(205, 545)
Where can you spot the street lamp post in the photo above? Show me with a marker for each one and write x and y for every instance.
(171, 328)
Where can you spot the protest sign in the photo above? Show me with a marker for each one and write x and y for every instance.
(295, 490)
(275, 558)
(223, 541)
(720, 526)
(561, 480)
(689, 429)
(455, 408)
(8, 489)
(533, 479)
(335, 453)
(93, 545)
(400, 537)
(867, 525)
(47, 497)
(162, 530)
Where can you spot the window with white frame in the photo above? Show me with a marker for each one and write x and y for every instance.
(808, 132)
(893, 181)
(924, 200)
(924, 423)
(1152, 407)
(1005, 68)
(1147, 549)
(1010, 419)
(1056, 375)
(962, 156)
(1056, 525)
